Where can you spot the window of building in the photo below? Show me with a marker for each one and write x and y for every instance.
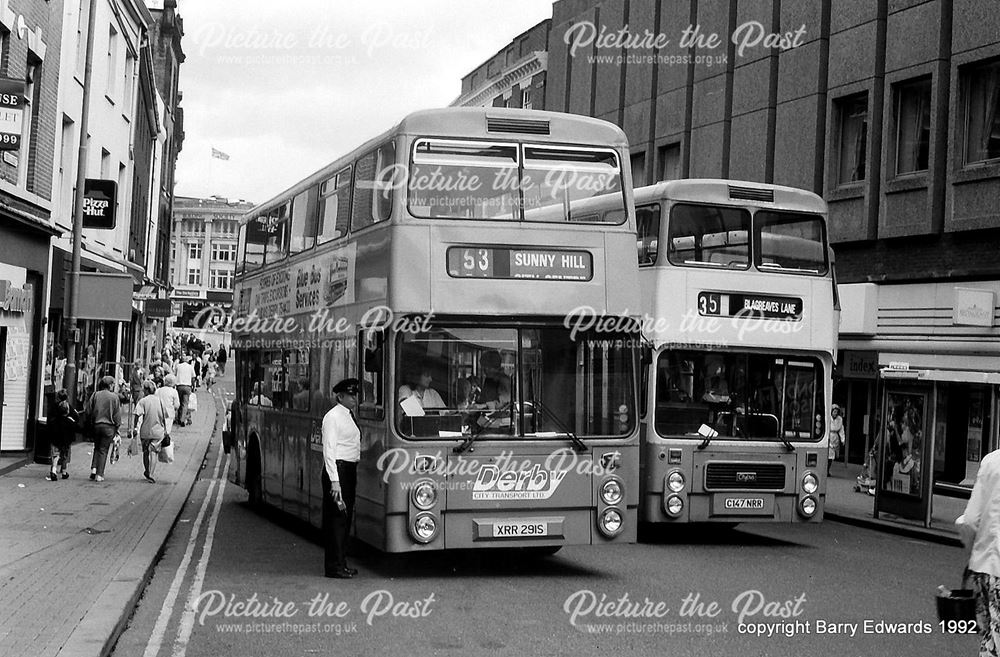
(127, 76)
(913, 126)
(29, 127)
(105, 164)
(81, 37)
(221, 279)
(526, 98)
(638, 169)
(67, 147)
(647, 222)
(112, 62)
(194, 250)
(223, 252)
(194, 276)
(670, 162)
(980, 89)
(335, 206)
(853, 113)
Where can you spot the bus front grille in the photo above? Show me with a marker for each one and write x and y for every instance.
(744, 476)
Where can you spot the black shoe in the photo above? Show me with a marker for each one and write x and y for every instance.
(52, 476)
(65, 475)
(93, 476)
(148, 478)
(342, 573)
(352, 571)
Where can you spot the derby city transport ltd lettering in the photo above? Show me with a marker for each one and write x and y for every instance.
(525, 484)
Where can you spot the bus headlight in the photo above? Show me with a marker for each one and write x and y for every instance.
(424, 528)
(810, 483)
(675, 481)
(611, 522)
(674, 505)
(424, 495)
(807, 506)
(611, 492)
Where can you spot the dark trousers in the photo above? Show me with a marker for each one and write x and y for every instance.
(103, 435)
(183, 395)
(336, 523)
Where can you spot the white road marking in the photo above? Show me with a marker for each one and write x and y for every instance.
(187, 618)
(160, 628)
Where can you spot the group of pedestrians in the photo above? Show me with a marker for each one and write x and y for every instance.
(159, 396)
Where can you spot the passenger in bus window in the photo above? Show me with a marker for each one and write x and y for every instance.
(716, 384)
(421, 390)
(257, 398)
(493, 379)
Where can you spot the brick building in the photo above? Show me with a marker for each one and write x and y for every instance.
(30, 35)
(887, 109)
(514, 77)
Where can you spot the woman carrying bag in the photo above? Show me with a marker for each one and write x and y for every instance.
(979, 528)
(151, 423)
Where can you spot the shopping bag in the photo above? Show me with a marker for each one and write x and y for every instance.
(956, 604)
(193, 402)
(134, 448)
(166, 454)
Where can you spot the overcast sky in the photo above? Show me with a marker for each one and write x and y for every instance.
(286, 88)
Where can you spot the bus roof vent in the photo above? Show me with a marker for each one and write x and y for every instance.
(751, 194)
(525, 126)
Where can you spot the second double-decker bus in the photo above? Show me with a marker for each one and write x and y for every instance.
(738, 288)
(437, 263)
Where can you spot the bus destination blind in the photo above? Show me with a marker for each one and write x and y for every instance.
(757, 306)
(507, 262)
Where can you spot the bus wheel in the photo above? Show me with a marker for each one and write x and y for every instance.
(255, 492)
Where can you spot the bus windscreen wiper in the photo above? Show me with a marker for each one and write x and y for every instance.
(578, 444)
(475, 430)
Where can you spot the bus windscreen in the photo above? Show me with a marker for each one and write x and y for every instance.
(741, 396)
(790, 242)
(528, 383)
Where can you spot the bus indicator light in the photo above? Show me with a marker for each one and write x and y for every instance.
(611, 522)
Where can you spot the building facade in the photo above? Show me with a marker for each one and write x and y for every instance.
(30, 39)
(204, 255)
(514, 77)
(887, 109)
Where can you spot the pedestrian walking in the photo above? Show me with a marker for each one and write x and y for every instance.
(105, 413)
(171, 400)
(151, 425)
(838, 437)
(341, 452)
(135, 379)
(62, 422)
(979, 528)
(220, 359)
(185, 379)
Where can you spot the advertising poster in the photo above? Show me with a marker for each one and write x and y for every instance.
(901, 470)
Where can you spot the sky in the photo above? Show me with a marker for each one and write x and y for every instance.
(286, 88)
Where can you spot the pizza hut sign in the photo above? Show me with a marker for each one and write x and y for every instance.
(99, 203)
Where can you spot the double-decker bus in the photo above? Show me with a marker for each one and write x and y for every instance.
(437, 264)
(737, 284)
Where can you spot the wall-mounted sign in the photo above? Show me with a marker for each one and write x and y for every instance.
(503, 262)
(99, 201)
(15, 299)
(749, 306)
(159, 308)
(973, 307)
(860, 365)
(186, 294)
(11, 113)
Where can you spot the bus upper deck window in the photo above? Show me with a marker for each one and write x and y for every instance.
(709, 235)
(790, 242)
(463, 180)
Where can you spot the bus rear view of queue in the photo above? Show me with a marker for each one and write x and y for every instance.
(741, 317)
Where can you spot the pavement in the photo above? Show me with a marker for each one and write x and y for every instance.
(844, 504)
(75, 554)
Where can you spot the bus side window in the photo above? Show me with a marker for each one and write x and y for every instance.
(371, 344)
(647, 221)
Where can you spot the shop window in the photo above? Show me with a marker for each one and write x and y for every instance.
(852, 149)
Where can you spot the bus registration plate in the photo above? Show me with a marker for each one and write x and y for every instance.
(519, 529)
(742, 504)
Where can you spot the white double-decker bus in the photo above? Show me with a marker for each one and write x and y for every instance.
(738, 291)
(437, 263)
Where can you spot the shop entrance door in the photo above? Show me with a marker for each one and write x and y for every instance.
(858, 410)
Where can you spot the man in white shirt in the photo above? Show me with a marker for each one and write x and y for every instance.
(979, 528)
(341, 453)
(185, 379)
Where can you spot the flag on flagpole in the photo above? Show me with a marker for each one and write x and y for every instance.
(219, 154)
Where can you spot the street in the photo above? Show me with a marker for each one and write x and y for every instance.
(232, 582)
